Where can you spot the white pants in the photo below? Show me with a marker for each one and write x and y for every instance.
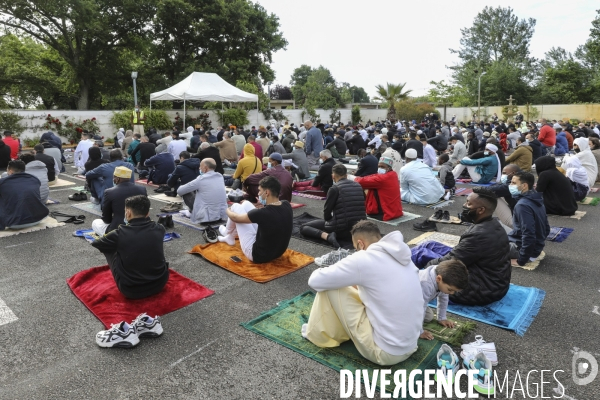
(246, 232)
(470, 169)
(504, 213)
(99, 227)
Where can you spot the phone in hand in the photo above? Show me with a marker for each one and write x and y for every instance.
(236, 259)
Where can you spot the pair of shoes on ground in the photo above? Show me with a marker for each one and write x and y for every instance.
(166, 221)
(172, 207)
(124, 335)
(79, 196)
(162, 189)
(476, 357)
(440, 215)
(332, 257)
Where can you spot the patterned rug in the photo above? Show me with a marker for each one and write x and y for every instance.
(283, 323)
(308, 196)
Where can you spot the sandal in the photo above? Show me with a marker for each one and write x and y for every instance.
(70, 219)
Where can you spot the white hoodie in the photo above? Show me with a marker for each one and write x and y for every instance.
(389, 287)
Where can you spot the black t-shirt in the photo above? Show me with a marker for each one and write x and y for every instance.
(274, 231)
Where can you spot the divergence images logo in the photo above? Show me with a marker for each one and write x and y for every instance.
(585, 368)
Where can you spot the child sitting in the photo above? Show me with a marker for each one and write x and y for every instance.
(445, 174)
(448, 277)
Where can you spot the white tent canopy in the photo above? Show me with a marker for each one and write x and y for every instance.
(204, 86)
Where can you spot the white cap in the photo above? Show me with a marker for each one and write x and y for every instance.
(411, 153)
(419, 132)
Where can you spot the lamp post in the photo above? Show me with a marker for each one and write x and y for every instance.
(479, 96)
(134, 77)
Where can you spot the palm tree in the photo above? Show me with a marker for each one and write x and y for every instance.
(392, 94)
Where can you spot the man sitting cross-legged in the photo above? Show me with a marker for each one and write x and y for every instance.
(344, 206)
(372, 297)
(484, 249)
(205, 196)
(113, 202)
(134, 251)
(264, 231)
(101, 178)
(20, 203)
(530, 223)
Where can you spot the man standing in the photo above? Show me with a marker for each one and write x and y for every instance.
(264, 232)
(314, 143)
(49, 161)
(530, 223)
(101, 178)
(20, 203)
(251, 184)
(205, 196)
(12, 143)
(137, 120)
(484, 249)
(344, 207)
(81, 154)
(357, 299)
(113, 202)
(135, 253)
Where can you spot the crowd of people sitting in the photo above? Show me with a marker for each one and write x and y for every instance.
(361, 171)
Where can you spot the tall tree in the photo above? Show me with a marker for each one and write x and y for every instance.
(496, 38)
(392, 94)
(316, 88)
(87, 35)
(563, 80)
(589, 54)
(279, 92)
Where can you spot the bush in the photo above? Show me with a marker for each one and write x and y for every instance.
(70, 129)
(9, 121)
(234, 116)
(409, 110)
(154, 119)
(356, 117)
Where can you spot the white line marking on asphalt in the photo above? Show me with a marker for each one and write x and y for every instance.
(20, 244)
(58, 190)
(191, 354)
(6, 314)
(595, 310)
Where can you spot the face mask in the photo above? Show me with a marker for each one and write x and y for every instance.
(125, 220)
(381, 171)
(513, 190)
(576, 150)
(504, 179)
(268, 165)
(262, 201)
(487, 153)
(114, 182)
(320, 161)
(270, 142)
(200, 172)
(467, 215)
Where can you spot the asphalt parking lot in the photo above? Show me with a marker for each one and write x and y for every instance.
(49, 352)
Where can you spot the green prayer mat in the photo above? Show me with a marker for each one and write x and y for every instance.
(283, 323)
(592, 201)
(452, 336)
(79, 189)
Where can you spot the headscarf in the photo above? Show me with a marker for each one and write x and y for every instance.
(588, 161)
(544, 163)
(575, 171)
(95, 153)
(190, 129)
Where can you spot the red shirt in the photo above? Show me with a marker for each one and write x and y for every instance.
(547, 136)
(14, 146)
(387, 188)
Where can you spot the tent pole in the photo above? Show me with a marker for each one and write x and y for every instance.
(183, 123)
(257, 112)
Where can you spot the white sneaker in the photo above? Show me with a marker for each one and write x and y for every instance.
(448, 363)
(186, 213)
(480, 345)
(119, 335)
(94, 200)
(447, 196)
(483, 379)
(146, 326)
(331, 257)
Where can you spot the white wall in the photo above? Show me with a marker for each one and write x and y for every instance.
(582, 112)
(33, 120)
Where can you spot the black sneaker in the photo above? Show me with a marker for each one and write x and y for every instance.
(162, 189)
(332, 239)
(425, 226)
(169, 221)
(446, 216)
(210, 235)
(437, 216)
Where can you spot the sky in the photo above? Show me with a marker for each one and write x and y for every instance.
(366, 43)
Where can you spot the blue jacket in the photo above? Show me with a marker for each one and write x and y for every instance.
(184, 173)
(101, 177)
(530, 225)
(487, 167)
(314, 142)
(163, 164)
(562, 145)
(20, 201)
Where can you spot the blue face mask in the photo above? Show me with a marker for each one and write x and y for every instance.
(270, 142)
(487, 153)
(125, 220)
(513, 190)
(504, 179)
(381, 171)
(262, 201)
(268, 165)
(200, 172)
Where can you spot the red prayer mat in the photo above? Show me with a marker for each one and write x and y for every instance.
(97, 290)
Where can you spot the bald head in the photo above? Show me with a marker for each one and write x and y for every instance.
(208, 164)
(204, 145)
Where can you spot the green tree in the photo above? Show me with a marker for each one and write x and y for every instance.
(316, 88)
(392, 94)
(589, 54)
(563, 80)
(496, 39)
